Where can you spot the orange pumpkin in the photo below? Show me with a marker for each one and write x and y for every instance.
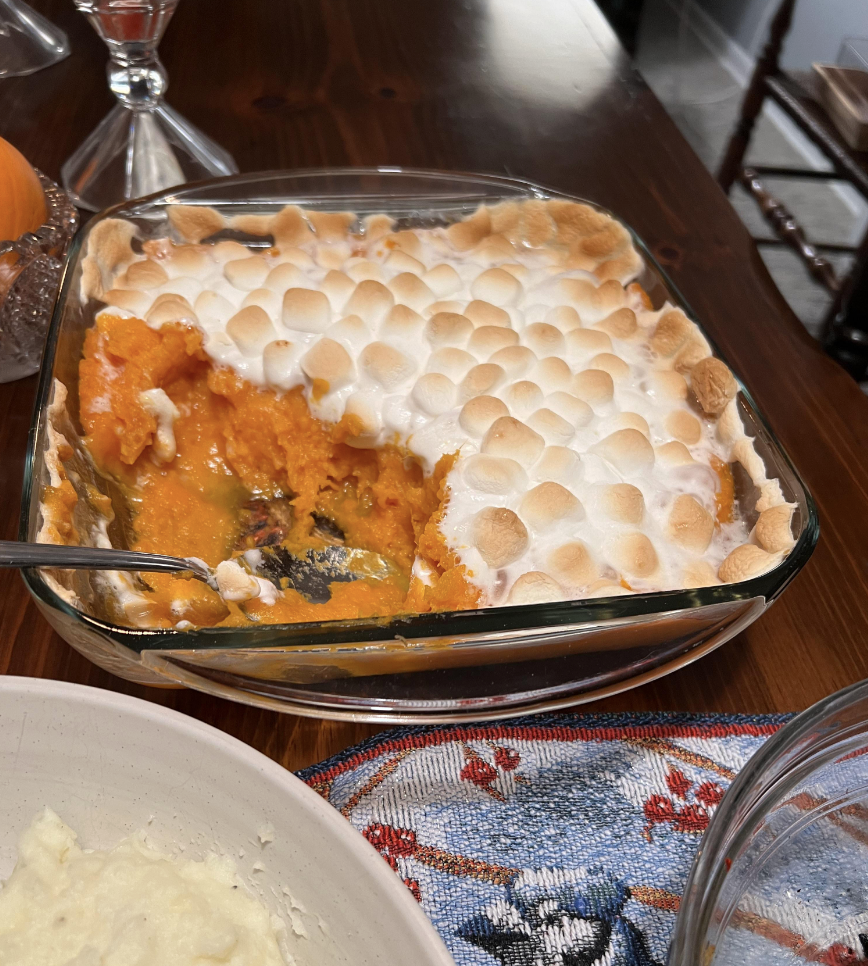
(22, 200)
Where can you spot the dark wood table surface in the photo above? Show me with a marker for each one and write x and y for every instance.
(538, 90)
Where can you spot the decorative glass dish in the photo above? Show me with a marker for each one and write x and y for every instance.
(486, 663)
(30, 283)
(781, 876)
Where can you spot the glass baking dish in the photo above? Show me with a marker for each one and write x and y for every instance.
(488, 663)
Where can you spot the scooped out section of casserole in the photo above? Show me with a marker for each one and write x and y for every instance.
(494, 406)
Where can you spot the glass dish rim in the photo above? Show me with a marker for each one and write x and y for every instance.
(510, 618)
(724, 833)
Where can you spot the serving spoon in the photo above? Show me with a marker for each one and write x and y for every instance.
(310, 575)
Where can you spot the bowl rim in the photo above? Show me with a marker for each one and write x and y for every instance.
(762, 779)
(298, 794)
(502, 619)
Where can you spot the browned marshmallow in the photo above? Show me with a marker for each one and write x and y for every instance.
(493, 474)
(547, 504)
(623, 502)
(509, 437)
(535, 587)
(627, 450)
(773, 528)
(572, 565)
(306, 310)
(479, 414)
(690, 524)
(251, 330)
(448, 328)
(329, 362)
(386, 365)
(435, 393)
(745, 562)
(499, 536)
(713, 385)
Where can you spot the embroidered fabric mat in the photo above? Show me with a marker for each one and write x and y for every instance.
(556, 840)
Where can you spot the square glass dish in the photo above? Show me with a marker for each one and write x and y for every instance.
(486, 663)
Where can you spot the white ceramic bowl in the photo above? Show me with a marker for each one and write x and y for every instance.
(109, 764)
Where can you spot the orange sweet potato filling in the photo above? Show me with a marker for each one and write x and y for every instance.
(237, 444)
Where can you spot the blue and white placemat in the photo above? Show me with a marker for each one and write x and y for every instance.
(558, 840)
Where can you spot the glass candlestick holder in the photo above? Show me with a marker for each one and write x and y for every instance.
(142, 145)
(28, 42)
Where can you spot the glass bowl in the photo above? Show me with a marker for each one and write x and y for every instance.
(489, 663)
(32, 283)
(781, 876)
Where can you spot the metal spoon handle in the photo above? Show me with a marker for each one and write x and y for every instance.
(16, 554)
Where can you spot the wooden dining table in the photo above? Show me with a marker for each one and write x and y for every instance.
(536, 90)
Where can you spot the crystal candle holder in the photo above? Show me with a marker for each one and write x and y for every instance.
(142, 145)
(30, 270)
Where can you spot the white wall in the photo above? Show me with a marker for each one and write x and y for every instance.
(818, 29)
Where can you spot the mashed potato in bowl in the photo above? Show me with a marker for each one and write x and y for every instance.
(128, 906)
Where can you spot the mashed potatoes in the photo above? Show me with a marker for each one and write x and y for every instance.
(130, 906)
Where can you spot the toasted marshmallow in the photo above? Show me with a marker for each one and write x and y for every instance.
(615, 366)
(130, 301)
(247, 273)
(480, 414)
(481, 312)
(583, 344)
(684, 427)
(145, 274)
(623, 502)
(448, 329)
(435, 393)
(594, 386)
(337, 288)
(553, 373)
(554, 429)
(635, 554)
(251, 330)
(499, 536)
(572, 565)
(563, 317)
(488, 339)
(328, 362)
(496, 286)
(305, 310)
(523, 397)
(670, 333)
(267, 300)
(481, 380)
(669, 385)
(559, 464)
(547, 505)
(621, 324)
(452, 362)
(745, 562)
(411, 291)
(516, 360)
(280, 364)
(674, 454)
(286, 275)
(493, 474)
(443, 280)
(386, 365)
(690, 524)
(370, 301)
(511, 438)
(773, 528)
(545, 339)
(400, 261)
(713, 385)
(574, 410)
(535, 587)
(627, 450)
(402, 325)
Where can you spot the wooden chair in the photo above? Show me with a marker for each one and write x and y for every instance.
(845, 328)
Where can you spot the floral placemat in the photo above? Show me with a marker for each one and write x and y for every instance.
(557, 840)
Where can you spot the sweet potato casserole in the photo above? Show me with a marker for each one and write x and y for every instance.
(494, 406)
